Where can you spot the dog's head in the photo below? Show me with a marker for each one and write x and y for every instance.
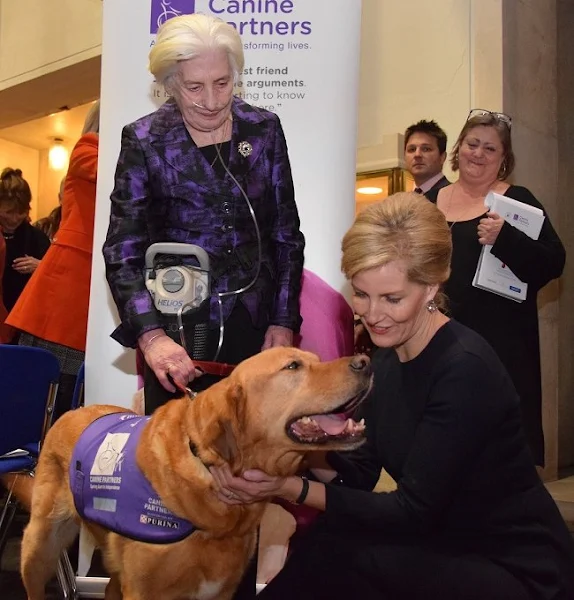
(282, 403)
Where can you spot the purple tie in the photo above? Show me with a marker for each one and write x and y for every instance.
(418, 190)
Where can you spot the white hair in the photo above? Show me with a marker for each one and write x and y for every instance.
(92, 121)
(188, 36)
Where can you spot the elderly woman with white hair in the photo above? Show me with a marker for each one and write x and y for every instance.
(206, 169)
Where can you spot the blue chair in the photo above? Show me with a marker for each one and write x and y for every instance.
(28, 386)
(78, 397)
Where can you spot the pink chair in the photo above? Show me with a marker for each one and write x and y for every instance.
(327, 328)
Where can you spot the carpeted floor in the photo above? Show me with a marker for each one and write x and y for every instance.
(11, 587)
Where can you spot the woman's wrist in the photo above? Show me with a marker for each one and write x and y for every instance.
(148, 338)
(294, 489)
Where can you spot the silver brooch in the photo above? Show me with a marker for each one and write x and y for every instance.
(245, 149)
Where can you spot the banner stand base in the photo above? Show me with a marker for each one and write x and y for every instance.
(95, 587)
(91, 587)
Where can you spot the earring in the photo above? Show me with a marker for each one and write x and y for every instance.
(432, 306)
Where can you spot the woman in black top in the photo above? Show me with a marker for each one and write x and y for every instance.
(25, 244)
(484, 158)
(470, 518)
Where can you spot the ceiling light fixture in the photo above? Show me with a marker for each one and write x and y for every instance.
(371, 191)
(58, 155)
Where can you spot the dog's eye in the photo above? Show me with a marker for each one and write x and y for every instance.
(292, 366)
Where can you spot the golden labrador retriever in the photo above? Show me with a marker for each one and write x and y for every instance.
(267, 414)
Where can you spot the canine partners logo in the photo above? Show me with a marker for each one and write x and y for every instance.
(110, 454)
(162, 10)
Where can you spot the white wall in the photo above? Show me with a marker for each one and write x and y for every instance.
(415, 64)
(41, 36)
(419, 59)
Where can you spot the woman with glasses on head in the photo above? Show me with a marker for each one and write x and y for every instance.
(484, 158)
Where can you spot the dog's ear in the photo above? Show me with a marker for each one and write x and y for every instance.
(225, 443)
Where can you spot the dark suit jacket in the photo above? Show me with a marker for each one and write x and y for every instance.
(443, 182)
(165, 190)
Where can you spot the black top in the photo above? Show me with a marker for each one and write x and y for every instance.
(446, 426)
(217, 155)
(510, 327)
(26, 239)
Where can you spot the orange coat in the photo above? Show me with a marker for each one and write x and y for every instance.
(54, 303)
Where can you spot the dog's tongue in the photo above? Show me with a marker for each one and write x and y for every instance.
(331, 424)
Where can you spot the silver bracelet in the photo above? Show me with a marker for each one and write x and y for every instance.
(151, 339)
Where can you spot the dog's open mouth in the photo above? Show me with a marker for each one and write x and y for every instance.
(335, 425)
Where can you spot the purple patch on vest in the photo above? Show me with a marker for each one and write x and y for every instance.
(110, 489)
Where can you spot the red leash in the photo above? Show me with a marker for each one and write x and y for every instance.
(214, 368)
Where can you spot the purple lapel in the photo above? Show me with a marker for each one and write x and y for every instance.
(250, 126)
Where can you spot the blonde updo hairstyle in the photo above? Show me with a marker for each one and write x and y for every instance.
(189, 36)
(406, 227)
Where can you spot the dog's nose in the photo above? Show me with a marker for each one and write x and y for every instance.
(361, 362)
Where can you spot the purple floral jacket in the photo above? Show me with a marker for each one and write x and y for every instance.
(165, 190)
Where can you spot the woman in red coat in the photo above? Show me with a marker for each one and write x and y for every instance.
(52, 312)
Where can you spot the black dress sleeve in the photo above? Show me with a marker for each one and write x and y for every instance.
(465, 405)
(536, 262)
(40, 242)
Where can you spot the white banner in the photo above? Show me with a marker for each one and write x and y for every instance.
(302, 62)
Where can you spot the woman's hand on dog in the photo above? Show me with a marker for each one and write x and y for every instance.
(168, 360)
(252, 486)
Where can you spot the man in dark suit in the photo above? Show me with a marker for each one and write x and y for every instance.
(425, 153)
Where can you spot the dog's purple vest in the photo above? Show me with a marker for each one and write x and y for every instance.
(110, 489)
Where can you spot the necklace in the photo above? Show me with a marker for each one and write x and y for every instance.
(217, 153)
(465, 211)
(218, 145)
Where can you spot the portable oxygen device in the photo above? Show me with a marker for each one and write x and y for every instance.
(179, 287)
(182, 293)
